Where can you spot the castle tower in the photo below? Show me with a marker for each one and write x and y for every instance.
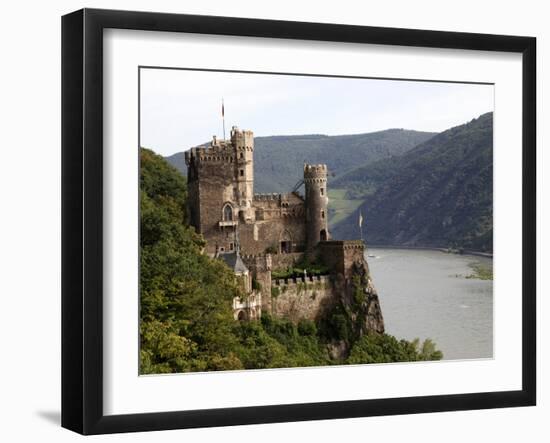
(315, 180)
(220, 180)
(243, 143)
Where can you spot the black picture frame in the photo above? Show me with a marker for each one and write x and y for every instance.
(82, 219)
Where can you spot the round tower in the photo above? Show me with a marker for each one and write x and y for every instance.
(315, 180)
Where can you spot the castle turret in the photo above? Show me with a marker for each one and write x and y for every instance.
(243, 143)
(315, 180)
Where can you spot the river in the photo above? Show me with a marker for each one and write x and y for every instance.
(426, 294)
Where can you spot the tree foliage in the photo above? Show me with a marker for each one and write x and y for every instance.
(186, 316)
(386, 348)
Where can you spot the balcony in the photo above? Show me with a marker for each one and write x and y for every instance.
(225, 223)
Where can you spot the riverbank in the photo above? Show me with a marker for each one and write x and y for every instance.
(432, 248)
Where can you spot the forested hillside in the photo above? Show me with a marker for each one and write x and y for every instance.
(437, 194)
(279, 160)
(186, 302)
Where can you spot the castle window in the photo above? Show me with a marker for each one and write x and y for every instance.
(322, 191)
(242, 172)
(231, 246)
(323, 235)
(285, 243)
(242, 155)
(228, 212)
(322, 214)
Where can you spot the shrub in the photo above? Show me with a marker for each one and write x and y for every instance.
(307, 328)
(256, 285)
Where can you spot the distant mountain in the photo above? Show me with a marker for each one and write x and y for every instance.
(437, 194)
(278, 160)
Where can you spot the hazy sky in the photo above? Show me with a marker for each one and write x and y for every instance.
(181, 109)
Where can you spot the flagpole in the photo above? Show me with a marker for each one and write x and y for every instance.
(361, 225)
(361, 230)
(223, 119)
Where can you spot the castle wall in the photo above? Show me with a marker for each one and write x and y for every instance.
(215, 190)
(301, 298)
(284, 261)
(340, 255)
(248, 308)
(256, 238)
(260, 267)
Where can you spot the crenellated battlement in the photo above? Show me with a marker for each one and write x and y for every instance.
(251, 257)
(300, 280)
(344, 244)
(269, 196)
(320, 168)
(316, 173)
(220, 152)
(242, 140)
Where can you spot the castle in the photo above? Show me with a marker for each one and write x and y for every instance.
(224, 207)
(258, 234)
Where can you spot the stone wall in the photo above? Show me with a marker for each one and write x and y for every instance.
(284, 261)
(340, 255)
(270, 206)
(260, 267)
(257, 237)
(301, 298)
(248, 308)
(353, 285)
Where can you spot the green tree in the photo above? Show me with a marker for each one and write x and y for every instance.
(186, 315)
(385, 348)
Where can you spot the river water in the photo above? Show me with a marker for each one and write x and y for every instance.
(426, 294)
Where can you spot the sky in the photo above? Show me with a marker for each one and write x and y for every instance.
(180, 109)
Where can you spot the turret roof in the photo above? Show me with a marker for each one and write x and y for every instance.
(234, 261)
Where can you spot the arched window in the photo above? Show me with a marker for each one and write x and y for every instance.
(323, 235)
(227, 212)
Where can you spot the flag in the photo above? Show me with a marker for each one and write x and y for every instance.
(360, 219)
